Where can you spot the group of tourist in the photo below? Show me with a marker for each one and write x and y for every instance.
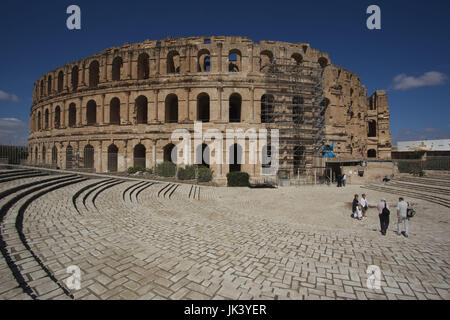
(360, 206)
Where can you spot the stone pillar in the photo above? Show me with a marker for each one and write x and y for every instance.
(66, 78)
(219, 59)
(154, 112)
(62, 119)
(79, 121)
(219, 101)
(130, 64)
(83, 77)
(251, 58)
(127, 108)
(252, 105)
(102, 111)
(185, 111)
(158, 61)
(105, 68)
(188, 59)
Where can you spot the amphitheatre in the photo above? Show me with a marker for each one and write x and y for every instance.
(144, 237)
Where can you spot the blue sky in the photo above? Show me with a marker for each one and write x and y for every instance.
(412, 46)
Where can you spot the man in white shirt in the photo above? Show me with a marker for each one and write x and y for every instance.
(344, 179)
(402, 209)
(364, 204)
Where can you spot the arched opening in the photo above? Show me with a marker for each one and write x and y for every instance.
(36, 155)
(141, 109)
(72, 115)
(265, 61)
(235, 108)
(114, 111)
(168, 153)
(372, 129)
(203, 154)
(234, 60)
(204, 61)
(266, 159)
(60, 81)
(91, 112)
(69, 157)
(299, 159)
(39, 120)
(44, 151)
(88, 157)
(54, 156)
(57, 117)
(297, 103)
(203, 109)
(171, 108)
(112, 158)
(372, 153)
(173, 62)
(267, 108)
(297, 58)
(235, 158)
(46, 117)
(116, 68)
(49, 85)
(42, 88)
(74, 78)
(139, 156)
(94, 74)
(143, 66)
(323, 62)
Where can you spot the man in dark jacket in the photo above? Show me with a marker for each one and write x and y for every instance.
(355, 203)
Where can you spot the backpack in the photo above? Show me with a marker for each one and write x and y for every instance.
(385, 211)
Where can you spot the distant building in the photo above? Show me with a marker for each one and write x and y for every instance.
(421, 148)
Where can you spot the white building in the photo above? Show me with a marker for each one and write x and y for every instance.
(424, 145)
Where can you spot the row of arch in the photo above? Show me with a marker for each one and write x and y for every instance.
(171, 110)
(173, 65)
(139, 156)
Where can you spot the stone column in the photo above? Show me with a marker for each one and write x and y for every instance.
(252, 104)
(102, 111)
(105, 68)
(219, 101)
(185, 111)
(66, 78)
(83, 77)
(158, 61)
(80, 113)
(130, 64)
(127, 119)
(219, 59)
(62, 119)
(154, 114)
(251, 58)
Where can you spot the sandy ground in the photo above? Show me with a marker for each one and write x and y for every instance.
(329, 207)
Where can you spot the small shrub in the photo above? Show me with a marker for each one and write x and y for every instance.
(205, 174)
(187, 173)
(166, 169)
(131, 170)
(149, 170)
(238, 179)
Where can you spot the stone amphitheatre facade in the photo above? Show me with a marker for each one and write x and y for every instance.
(119, 107)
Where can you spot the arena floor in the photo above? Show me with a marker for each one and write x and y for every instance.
(155, 240)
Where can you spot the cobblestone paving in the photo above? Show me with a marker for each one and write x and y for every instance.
(137, 241)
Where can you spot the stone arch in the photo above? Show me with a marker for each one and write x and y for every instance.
(57, 120)
(139, 155)
(372, 132)
(54, 156)
(116, 68)
(234, 60)
(69, 157)
(74, 78)
(44, 151)
(94, 74)
(167, 153)
(49, 84)
(113, 152)
(39, 120)
(141, 103)
(299, 159)
(371, 153)
(323, 62)
(235, 107)
(203, 107)
(171, 108)
(204, 61)
(41, 90)
(114, 111)
(173, 62)
(267, 108)
(266, 59)
(46, 119)
(88, 157)
(72, 115)
(266, 157)
(297, 103)
(143, 66)
(297, 58)
(235, 158)
(204, 154)
(91, 112)
(60, 81)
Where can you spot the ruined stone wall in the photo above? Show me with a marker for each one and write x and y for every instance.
(123, 97)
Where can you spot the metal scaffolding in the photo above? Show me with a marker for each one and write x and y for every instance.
(294, 104)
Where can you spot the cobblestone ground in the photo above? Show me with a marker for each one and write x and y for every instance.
(154, 240)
